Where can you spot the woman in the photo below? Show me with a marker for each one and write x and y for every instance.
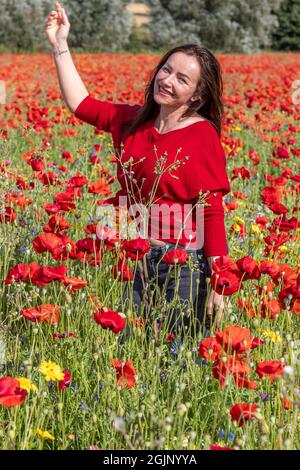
(182, 113)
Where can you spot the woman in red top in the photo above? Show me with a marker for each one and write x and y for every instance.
(169, 154)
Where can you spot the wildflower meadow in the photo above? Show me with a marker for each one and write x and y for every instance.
(70, 378)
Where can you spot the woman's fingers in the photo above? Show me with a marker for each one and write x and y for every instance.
(210, 306)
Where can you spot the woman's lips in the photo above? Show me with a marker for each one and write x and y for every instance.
(164, 92)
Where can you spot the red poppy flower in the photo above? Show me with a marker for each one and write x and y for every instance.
(65, 196)
(44, 275)
(233, 365)
(270, 369)
(287, 403)
(170, 338)
(274, 241)
(136, 249)
(56, 224)
(225, 282)
(43, 313)
(282, 152)
(122, 271)
(77, 181)
(109, 319)
(289, 298)
(277, 208)
(262, 221)
(19, 272)
(37, 164)
(235, 338)
(217, 447)
(75, 283)
(46, 242)
(210, 349)
(126, 373)
(176, 256)
(269, 267)
(242, 412)
(8, 215)
(48, 178)
(65, 382)
(242, 172)
(51, 208)
(271, 194)
(99, 187)
(10, 392)
(91, 229)
(244, 382)
(256, 342)
(249, 268)
(270, 308)
(284, 225)
(66, 250)
(67, 156)
(88, 245)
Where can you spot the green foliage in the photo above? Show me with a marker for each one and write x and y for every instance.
(228, 25)
(22, 24)
(99, 26)
(103, 25)
(287, 35)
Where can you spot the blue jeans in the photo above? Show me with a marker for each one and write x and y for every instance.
(152, 292)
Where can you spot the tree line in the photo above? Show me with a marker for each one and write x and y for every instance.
(244, 26)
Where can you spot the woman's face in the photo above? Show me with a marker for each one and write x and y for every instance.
(178, 78)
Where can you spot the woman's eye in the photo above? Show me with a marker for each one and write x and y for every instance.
(182, 80)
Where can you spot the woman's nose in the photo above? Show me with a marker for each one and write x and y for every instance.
(168, 82)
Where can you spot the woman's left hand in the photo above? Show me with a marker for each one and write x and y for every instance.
(216, 303)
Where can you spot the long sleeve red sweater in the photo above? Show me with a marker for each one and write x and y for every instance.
(204, 170)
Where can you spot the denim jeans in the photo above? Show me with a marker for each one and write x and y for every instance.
(190, 285)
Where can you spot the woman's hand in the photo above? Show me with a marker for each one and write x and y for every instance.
(57, 26)
(216, 303)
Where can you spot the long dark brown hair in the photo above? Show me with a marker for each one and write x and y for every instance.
(209, 89)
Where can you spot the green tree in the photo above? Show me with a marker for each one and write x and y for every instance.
(287, 35)
(228, 25)
(22, 24)
(99, 25)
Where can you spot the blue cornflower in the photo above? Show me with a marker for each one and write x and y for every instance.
(230, 436)
(175, 345)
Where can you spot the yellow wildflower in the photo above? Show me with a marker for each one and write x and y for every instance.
(238, 220)
(26, 384)
(272, 335)
(255, 228)
(236, 227)
(51, 371)
(284, 249)
(44, 434)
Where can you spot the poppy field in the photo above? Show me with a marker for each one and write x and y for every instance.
(68, 380)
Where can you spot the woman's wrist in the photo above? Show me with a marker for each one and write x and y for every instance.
(60, 46)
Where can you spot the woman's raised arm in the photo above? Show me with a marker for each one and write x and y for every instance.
(57, 30)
